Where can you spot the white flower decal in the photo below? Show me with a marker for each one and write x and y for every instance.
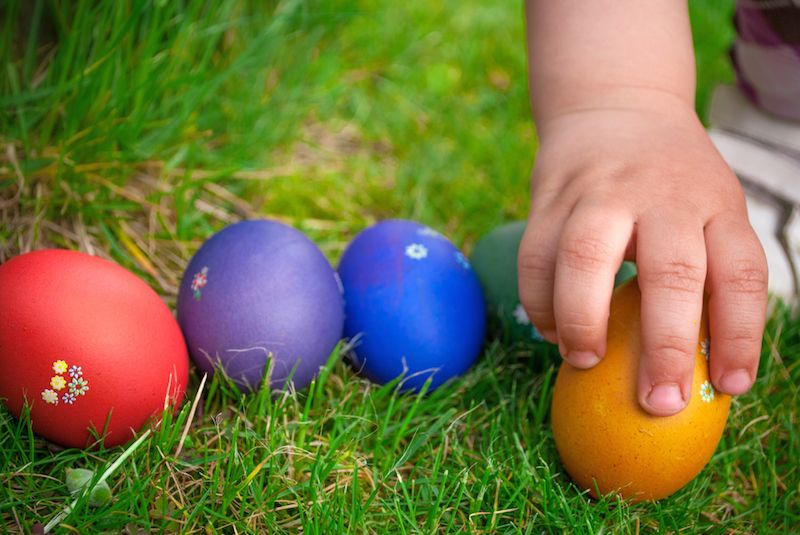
(521, 316)
(77, 386)
(705, 348)
(461, 259)
(50, 396)
(427, 231)
(199, 280)
(416, 251)
(706, 392)
(536, 335)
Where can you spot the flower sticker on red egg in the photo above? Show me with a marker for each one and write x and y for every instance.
(61, 390)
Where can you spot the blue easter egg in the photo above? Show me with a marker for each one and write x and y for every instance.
(260, 291)
(413, 305)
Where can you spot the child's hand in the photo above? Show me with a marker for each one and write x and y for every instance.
(640, 179)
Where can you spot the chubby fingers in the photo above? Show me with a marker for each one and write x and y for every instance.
(671, 260)
(737, 280)
(536, 270)
(566, 276)
(589, 253)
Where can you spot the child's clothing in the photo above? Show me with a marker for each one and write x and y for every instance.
(759, 136)
(766, 54)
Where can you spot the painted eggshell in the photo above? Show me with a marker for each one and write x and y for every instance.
(256, 292)
(90, 346)
(413, 305)
(494, 259)
(603, 436)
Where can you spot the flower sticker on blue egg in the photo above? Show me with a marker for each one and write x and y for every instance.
(416, 251)
(427, 231)
(462, 260)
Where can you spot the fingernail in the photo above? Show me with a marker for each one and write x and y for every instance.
(735, 382)
(582, 359)
(666, 398)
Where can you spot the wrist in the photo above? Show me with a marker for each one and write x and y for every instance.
(661, 103)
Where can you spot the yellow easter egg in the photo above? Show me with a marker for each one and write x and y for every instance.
(607, 442)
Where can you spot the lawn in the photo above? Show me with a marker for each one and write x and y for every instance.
(133, 130)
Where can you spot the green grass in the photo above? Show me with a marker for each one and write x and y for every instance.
(135, 129)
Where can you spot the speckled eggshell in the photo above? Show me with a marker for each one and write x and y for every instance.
(414, 306)
(260, 291)
(606, 439)
(90, 346)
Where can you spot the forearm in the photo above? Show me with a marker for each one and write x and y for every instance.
(608, 54)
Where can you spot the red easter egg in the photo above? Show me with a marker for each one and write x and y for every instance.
(90, 347)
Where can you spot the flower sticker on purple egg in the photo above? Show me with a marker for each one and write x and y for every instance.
(416, 251)
(199, 281)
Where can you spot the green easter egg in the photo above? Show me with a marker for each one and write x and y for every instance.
(494, 259)
(626, 271)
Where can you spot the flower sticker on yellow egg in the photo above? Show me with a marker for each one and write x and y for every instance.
(705, 348)
(706, 392)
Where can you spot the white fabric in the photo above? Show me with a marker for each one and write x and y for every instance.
(731, 111)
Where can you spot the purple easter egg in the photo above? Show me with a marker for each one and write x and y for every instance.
(260, 291)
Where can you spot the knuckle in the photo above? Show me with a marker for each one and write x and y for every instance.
(672, 352)
(747, 335)
(585, 253)
(748, 277)
(576, 329)
(677, 276)
(540, 317)
(534, 265)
